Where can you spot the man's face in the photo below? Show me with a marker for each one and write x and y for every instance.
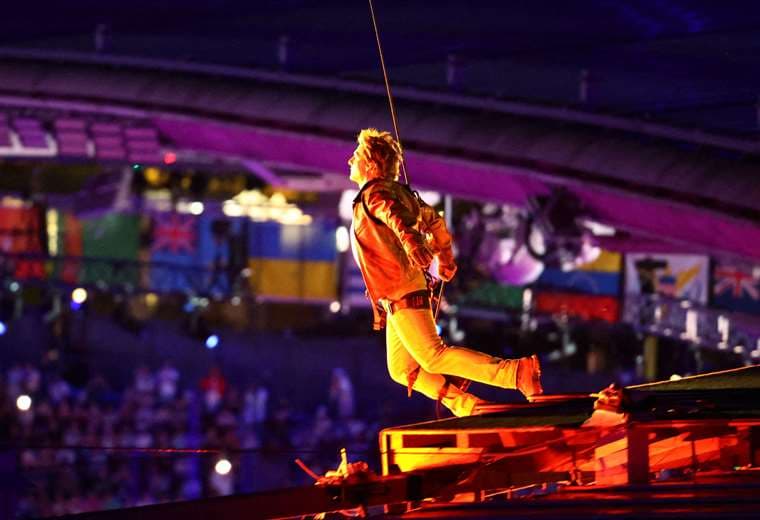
(357, 164)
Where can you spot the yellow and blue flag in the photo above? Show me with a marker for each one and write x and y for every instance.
(293, 262)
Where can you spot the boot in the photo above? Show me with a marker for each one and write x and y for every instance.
(461, 404)
(529, 376)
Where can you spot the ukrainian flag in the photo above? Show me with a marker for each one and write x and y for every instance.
(293, 262)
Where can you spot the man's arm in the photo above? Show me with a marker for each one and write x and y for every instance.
(436, 226)
(383, 204)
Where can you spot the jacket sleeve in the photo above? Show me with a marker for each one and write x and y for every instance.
(385, 205)
(436, 226)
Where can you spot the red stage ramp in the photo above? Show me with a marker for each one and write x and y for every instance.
(667, 431)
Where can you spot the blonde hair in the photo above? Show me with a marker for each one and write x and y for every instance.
(381, 152)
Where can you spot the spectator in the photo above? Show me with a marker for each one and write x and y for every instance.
(341, 394)
(145, 383)
(168, 378)
(214, 385)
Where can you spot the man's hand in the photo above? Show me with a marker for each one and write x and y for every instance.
(447, 270)
(419, 255)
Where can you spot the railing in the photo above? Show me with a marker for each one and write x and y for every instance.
(670, 317)
(122, 276)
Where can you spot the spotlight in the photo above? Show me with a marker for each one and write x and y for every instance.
(170, 158)
(23, 403)
(212, 341)
(14, 287)
(342, 239)
(335, 307)
(223, 466)
(79, 295)
(3, 328)
(196, 207)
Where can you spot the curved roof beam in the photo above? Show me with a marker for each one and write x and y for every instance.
(562, 113)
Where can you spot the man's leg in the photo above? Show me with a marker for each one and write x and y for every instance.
(416, 330)
(402, 366)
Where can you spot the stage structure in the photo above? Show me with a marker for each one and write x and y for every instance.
(673, 449)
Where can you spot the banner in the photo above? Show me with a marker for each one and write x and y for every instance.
(293, 262)
(675, 276)
(736, 287)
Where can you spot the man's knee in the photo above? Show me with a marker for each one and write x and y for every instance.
(430, 362)
(399, 375)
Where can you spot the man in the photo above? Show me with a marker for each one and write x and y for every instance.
(389, 230)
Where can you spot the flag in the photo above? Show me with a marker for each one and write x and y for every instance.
(493, 294)
(20, 234)
(583, 306)
(675, 276)
(110, 245)
(193, 254)
(601, 277)
(293, 262)
(65, 240)
(353, 288)
(736, 287)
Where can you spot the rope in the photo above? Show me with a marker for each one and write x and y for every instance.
(394, 120)
(388, 91)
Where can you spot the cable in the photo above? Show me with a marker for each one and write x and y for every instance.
(388, 91)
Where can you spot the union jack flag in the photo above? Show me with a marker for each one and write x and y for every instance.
(175, 234)
(737, 281)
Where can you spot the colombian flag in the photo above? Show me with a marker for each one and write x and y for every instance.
(600, 277)
(588, 292)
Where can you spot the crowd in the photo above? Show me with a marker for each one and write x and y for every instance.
(97, 447)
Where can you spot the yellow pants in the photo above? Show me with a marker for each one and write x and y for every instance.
(412, 341)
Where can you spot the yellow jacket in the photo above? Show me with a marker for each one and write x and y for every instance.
(389, 220)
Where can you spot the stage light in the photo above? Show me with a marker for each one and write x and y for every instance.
(212, 341)
(335, 307)
(196, 207)
(346, 204)
(170, 158)
(235, 300)
(14, 287)
(24, 402)
(79, 295)
(223, 466)
(232, 208)
(342, 240)
(675, 377)
(151, 299)
(3, 328)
